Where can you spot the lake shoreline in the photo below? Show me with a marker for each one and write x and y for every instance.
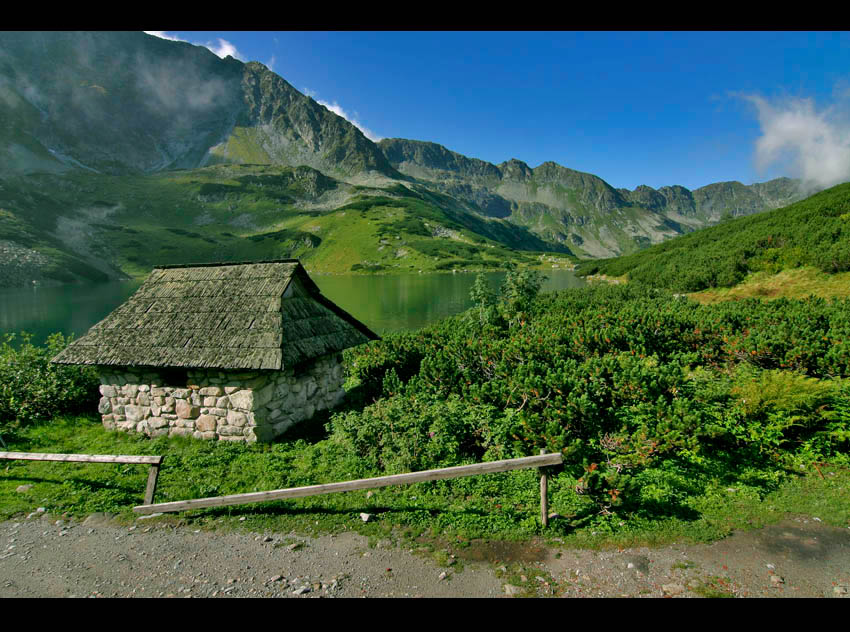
(385, 302)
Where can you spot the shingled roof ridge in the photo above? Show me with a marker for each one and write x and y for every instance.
(170, 266)
(132, 337)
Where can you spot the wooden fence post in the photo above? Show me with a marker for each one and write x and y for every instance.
(544, 495)
(489, 467)
(151, 487)
(154, 461)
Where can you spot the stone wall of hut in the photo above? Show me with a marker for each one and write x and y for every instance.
(217, 404)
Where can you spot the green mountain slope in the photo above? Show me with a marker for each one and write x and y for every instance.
(813, 232)
(84, 226)
(128, 102)
(576, 209)
(120, 151)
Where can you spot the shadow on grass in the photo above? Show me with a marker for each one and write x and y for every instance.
(312, 430)
(82, 484)
(686, 480)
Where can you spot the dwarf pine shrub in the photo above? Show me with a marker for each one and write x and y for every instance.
(32, 389)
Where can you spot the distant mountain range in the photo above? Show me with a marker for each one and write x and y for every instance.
(103, 130)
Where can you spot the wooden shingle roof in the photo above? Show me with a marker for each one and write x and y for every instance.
(225, 316)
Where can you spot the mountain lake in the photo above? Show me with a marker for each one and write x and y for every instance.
(385, 303)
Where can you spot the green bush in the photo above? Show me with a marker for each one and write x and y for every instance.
(616, 378)
(775, 409)
(403, 434)
(32, 389)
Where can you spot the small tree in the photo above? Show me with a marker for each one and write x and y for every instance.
(484, 298)
(519, 290)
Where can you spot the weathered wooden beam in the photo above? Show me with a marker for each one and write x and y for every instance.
(150, 490)
(544, 496)
(83, 458)
(365, 483)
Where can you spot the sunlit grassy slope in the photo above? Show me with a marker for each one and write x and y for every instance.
(795, 283)
(813, 233)
(250, 212)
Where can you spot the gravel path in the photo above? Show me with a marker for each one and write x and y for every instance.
(45, 557)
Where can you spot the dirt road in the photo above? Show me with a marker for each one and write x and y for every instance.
(48, 557)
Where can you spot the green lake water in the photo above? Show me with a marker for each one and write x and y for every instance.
(385, 303)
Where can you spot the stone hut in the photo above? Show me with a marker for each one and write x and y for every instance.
(228, 351)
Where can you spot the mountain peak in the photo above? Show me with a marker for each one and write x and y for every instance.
(516, 169)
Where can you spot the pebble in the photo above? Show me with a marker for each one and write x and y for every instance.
(443, 575)
(301, 590)
(672, 589)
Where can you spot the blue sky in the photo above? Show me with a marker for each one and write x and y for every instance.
(688, 108)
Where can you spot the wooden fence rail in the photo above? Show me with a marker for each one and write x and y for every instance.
(366, 483)
(154, 461)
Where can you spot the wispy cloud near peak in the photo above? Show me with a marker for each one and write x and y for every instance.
(222, 47)
(337, 109)
(814, 145)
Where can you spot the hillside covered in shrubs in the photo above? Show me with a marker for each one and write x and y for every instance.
(813, 232)
(624, 380)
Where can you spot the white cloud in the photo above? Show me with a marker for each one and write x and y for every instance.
(164, 35)
(814, 145)
(337, 109)
(222, 48)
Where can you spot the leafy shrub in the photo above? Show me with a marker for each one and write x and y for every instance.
(618, 379)
(402, 434)
(369, 363)
(32, 389)
(775, 409)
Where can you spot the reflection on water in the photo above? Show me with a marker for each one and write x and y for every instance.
(390, 303)
(42, 311)
(384, 303)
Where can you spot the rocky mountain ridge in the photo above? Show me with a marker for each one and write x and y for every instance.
(79, 108)
(580, 209)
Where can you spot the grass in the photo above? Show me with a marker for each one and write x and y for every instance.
(713, 587)
(790, 283)
(442, 516)
(246, 212)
